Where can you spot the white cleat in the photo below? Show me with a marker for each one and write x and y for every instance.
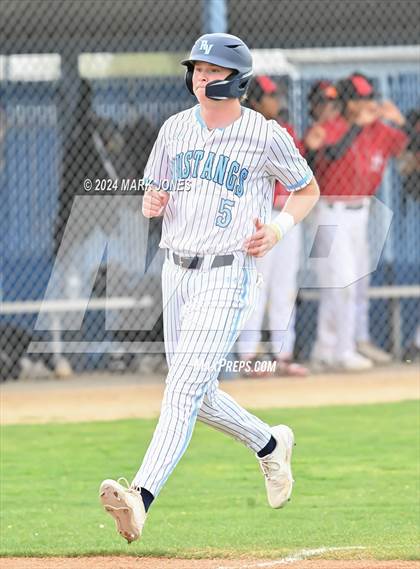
(277, 467)
(125, 506)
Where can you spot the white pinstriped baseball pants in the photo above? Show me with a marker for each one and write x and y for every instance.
(204, 311)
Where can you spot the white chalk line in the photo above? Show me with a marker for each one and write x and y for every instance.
(295, 557)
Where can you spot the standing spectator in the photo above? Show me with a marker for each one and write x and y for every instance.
(323, 106)
(280, 266)
(350, 167)
(323, 101)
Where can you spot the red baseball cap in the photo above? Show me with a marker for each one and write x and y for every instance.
(356, 87)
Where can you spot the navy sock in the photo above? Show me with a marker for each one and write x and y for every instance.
(269, 447)
(147, 498)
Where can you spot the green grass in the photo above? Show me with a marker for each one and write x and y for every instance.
(356, 471)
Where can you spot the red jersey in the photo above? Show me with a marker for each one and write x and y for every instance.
(280, 192)
(360, 170)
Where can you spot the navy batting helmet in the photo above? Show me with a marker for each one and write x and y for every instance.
(227, 51)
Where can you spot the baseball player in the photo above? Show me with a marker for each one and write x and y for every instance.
(264, 96)
(350, 167)
(230, 156)
(323, 101)
(324, 107)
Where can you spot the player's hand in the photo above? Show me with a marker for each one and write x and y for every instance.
(390, 112)
(154, 202)
(260, 242)
(315, 137)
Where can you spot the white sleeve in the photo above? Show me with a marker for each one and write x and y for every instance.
(284, 161)
(158, 165)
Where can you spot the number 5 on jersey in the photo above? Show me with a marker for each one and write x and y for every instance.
(225, 212)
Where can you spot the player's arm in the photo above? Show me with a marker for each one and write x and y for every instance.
(366, 115)
(394, 128)
(286, 164)
(337, 150)
(300, 203)
(297, 207)
(390, 112)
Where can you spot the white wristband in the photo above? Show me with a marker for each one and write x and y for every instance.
(284, 222)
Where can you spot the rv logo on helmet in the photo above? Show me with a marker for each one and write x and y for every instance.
(206, 47)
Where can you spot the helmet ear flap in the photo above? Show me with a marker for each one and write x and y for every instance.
(188, 78)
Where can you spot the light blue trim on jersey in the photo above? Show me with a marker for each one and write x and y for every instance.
(302, 183)
(203, 124)
(199, 117)
(193, 418)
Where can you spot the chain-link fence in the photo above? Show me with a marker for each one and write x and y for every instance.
(84, 89)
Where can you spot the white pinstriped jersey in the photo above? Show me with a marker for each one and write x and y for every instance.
(225, 178)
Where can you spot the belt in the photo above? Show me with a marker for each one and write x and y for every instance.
(196, 261)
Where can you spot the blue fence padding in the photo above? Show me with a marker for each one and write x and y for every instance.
(29, 189)
(156, 89)
(26, 277)
(157, 98)
(32, 190)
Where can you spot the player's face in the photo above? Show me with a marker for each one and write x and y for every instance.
(205, 73)
(324, 111)
(365, 109)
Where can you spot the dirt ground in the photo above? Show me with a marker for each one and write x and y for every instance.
(106, 397)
